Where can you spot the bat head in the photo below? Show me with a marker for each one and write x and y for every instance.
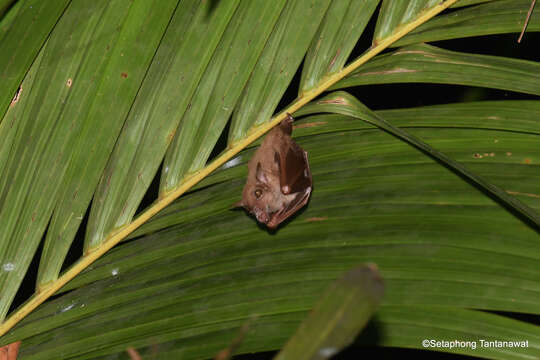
(262, 197)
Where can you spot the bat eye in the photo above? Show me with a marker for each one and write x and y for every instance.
(258, 193)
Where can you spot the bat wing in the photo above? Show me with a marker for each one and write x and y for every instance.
(300, 200)
(295, 178)
(294, 173)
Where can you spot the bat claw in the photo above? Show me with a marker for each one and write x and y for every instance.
(286, 124)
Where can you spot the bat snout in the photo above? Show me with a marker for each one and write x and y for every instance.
(261, 216)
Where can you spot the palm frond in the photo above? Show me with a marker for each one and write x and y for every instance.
(113, 94)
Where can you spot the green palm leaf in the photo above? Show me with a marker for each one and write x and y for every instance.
(427, 64)
(493, 17)
(125, 91)
(369, 182)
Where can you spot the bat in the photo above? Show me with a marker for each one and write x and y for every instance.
(279, 181)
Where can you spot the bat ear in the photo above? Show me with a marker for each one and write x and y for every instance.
(260, 175)
(238, 204)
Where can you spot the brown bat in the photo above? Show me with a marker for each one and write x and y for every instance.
(279, 180)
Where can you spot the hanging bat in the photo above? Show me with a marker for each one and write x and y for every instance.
(279, 180)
